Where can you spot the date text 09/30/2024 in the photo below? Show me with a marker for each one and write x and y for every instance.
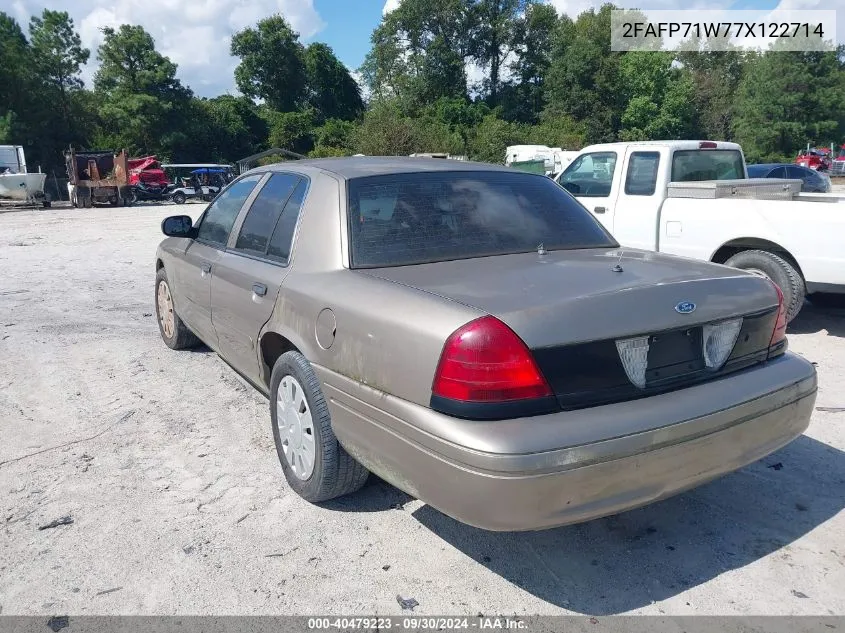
(416, 624)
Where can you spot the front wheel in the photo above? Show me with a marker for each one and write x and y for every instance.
(179, 198)
(779, 271)
(314, 463)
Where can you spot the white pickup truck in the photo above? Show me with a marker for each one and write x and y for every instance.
(694, 198)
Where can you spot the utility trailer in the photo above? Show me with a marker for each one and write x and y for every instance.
(97, 177)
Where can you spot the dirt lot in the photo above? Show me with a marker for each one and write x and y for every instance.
(165, 463)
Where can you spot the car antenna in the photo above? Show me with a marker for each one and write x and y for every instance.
(618, 267)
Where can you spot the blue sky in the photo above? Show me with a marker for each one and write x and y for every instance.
(350, 35)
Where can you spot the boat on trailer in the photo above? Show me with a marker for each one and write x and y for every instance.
(17, 185)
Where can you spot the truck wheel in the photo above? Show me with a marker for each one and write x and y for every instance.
(779, 271)
(173, 330)
(179, 198)
(315, 465)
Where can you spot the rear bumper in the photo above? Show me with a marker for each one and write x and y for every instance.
(569, 467)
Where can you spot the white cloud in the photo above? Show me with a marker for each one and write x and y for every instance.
(390, 5)
(195, 35)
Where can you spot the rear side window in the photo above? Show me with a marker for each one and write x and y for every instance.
(280, 242)
(641, 179)
(220, 216)
(777, 172)
(403, 219)
(707, 164)
(264, 213)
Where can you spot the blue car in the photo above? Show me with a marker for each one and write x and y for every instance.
(814, 182)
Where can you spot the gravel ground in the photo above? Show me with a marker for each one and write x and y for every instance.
(164, 462)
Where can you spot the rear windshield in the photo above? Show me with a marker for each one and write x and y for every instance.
(707, 164)
(403, 219)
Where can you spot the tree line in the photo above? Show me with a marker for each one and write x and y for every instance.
(465, 77)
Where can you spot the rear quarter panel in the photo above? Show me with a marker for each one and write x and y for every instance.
(812, 232)
(388, 336)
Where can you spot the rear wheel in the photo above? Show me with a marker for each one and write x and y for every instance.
(779, 271)
(173, 330)
(314, 463)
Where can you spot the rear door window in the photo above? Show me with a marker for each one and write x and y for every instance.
(282, 238)
(264, 213)
(641, 179)
(777, 172)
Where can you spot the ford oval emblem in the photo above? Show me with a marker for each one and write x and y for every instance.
(685, 307)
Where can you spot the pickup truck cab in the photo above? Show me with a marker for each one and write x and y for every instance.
(694, 199)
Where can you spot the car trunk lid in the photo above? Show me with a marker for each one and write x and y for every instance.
(571, 308)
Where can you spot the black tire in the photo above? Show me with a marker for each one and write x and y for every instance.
(179, 198)
(182, 337)
(335, 472)
(780, 271)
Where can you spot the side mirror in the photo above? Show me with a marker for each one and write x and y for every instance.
(178, 226)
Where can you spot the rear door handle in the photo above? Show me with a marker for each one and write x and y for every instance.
(205, 267)
(600, 209)
(259, 289)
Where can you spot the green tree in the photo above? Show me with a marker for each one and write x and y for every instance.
(227, 128)
(787, 99)
(492, 37)
(715, 75)
(584, 77)
(533, 41)
(58, 56)
(293, 131)
(419, 53)
(272, 65)
(492, 137)
(143, 106)
(385, 131)
(660, 97)
(334, 138)
(15, 81)
(332, 91)
(559, 130)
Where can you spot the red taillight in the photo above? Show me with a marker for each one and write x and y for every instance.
(779, 333)
(707, 145)
(485, 361)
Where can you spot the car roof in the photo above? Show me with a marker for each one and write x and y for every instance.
(675, 145)
(773, 165)
(359, 166)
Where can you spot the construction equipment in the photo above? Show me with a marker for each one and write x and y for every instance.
(98, 177)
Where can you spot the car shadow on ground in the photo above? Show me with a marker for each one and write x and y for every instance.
(376, 496)
(814, 319)
(627, 561)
